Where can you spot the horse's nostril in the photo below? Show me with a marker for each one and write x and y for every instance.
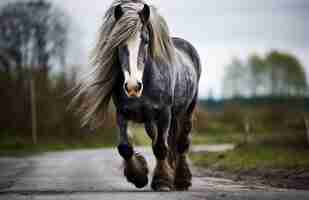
(139, 86)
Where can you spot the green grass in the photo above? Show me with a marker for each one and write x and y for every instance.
(140, 138)
(28, 149)
(264, 151)
(216, 138)
(276, 150)
(252, 157)
(14, 145)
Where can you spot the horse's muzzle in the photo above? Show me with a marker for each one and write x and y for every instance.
(133, 89)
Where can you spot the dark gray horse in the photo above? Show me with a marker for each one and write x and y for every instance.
(152, 79)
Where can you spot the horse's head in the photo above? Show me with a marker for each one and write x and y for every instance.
(132, 33)
(133, 53)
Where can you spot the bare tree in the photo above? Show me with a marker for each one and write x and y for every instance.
(34, 31)
(34, 34)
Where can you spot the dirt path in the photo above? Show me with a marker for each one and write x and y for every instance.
(97, 174)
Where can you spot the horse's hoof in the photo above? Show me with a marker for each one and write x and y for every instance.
(136, 171)
(183, 176)
(163, 178)
(138, 181)
(161, 187)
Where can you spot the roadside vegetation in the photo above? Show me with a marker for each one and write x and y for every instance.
(270, 140)
(265, 115)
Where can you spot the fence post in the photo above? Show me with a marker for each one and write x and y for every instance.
(33, 108)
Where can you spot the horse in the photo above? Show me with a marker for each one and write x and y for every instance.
(152, 79)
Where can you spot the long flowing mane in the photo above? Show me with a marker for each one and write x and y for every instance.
(94, 91)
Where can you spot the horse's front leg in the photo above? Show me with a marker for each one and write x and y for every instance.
(135, 170)
(163, 174)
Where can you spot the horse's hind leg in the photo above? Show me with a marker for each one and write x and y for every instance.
(183, 175)
(163, 177)
(136, 170)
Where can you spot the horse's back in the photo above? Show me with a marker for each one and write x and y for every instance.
(188, 69)
(189, 49)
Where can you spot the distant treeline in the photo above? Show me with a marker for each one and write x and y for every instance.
(268, 114)
(275, 74)
(291, 103)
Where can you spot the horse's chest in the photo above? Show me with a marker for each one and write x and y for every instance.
(138, 110)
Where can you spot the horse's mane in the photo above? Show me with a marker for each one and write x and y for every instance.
(95, 90)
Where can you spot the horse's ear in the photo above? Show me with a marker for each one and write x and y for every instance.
(145, 14)
(118, 12)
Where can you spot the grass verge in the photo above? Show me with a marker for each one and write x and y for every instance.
(30, 149)
(16, 145)
(255, 157)
(277, 166)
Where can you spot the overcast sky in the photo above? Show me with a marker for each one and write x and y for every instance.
(219, 29)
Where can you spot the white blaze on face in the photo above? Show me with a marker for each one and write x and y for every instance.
(133, 45)
(135, 75)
